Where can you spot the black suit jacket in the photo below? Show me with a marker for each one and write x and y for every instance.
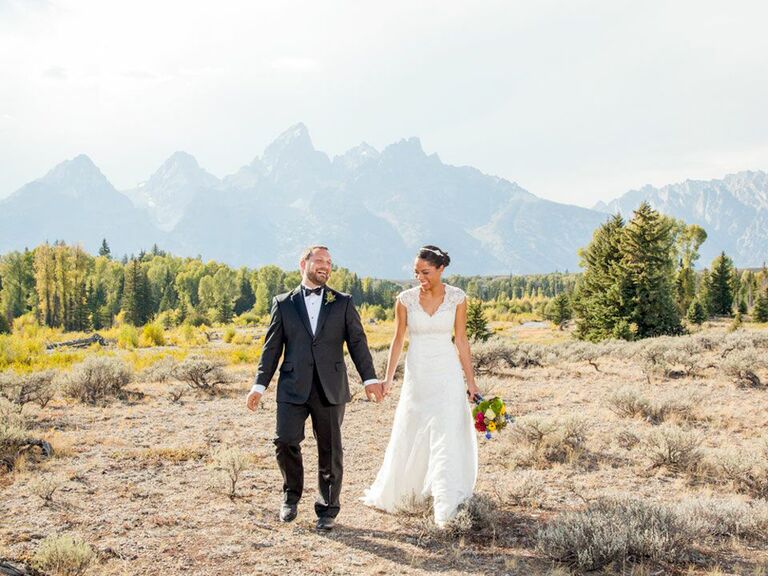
(290, 330)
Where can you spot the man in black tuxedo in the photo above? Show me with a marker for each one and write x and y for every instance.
(311, 324)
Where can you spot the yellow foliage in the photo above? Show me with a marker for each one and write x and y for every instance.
(152, 335)
(128, 337)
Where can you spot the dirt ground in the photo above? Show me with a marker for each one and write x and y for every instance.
(135, 480)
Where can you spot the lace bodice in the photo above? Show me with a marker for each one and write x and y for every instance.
(441, 322)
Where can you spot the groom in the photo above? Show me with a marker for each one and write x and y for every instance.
(311, 324)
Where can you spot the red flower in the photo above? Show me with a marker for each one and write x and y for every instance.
(480, 426)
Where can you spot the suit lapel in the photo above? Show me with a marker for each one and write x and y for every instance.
(298, 302)
(325, 308)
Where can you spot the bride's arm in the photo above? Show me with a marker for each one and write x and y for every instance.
(462, 345)
(396, 347)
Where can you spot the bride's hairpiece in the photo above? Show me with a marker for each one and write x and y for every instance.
(438, 251)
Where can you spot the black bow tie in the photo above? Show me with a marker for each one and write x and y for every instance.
(308, 291)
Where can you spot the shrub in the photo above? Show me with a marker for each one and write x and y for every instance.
(64, 555)
(98, 378)
(22, 389)
(627, 439)
(742, 366)
(717, 518)
(745, 469)
(627, 401)
(490, 357)
(152, 335)
(479, 512)
(177, 393)
(201, 373)
(617, 530)
(229, 463)
(525, 488)
(242, 338)
(13, 433)
(229, 334)
(45, 487)
(672, 447)
(128, 337)
(552, 440)
(161, 371)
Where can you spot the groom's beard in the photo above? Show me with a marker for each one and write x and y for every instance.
(317, 280)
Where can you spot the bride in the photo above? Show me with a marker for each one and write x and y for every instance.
(432, 450)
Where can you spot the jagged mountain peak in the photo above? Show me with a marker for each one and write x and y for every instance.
(76, 178)
(293, 141)
(354, 158)
(180, 168)
(79, 166)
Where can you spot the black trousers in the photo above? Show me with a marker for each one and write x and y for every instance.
(326, 428)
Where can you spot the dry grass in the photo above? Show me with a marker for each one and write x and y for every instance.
(134, 478)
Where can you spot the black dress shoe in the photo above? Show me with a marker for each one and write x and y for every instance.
(288, 512)
(325, 523)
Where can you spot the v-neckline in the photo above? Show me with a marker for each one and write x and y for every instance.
(445, 293)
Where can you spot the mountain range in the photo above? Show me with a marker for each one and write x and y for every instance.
(372, 208)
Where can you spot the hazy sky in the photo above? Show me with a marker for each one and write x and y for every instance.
(577, 101)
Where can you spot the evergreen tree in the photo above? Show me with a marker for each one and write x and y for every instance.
(721, 286)
(760, 311)
(246, 298)
(104, 249)
(696, 313)
(600, 298)
(477, 324)
(559, 310)
(648, 261)
(136, 299)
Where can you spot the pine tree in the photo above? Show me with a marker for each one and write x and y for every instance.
(558, 309)
(104, 249)
(136, 297)
(600, 299)
(477, 324)
(721, 286)
(696, 313)
(648, 260)
(246, 298)
(760, 311)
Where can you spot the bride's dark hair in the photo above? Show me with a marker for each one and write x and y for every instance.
(434, 256)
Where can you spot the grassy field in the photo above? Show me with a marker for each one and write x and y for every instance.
(632, 458)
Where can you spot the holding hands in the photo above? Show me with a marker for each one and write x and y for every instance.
(375, 391)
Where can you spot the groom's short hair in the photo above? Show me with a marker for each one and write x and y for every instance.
(307, 254)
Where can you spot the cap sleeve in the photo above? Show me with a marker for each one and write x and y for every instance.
(454, 295)
(408, 298)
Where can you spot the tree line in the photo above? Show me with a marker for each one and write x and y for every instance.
(65, 287)
(639, 280)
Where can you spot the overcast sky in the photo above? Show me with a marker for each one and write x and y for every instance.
(577, 101)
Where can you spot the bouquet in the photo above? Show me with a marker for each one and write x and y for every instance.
(490, 415)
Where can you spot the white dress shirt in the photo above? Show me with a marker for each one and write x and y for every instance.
(313, 303)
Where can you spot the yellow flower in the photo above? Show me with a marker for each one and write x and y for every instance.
(503, 410)
(491, 426)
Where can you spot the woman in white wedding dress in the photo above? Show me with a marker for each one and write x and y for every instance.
(432, 450)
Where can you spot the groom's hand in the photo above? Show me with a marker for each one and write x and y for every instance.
(374, 389)
(253, 401)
